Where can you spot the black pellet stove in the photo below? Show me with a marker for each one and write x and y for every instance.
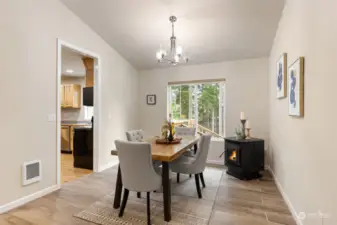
(244, 157)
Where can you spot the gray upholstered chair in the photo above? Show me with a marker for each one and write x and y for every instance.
(137, 170)
(138, 136)
(181, 132)
(194, 165)
(185, 131)
(135, 135)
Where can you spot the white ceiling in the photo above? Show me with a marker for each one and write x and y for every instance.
(208, 30)
(72, 60)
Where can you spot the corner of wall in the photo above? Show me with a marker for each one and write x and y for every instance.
(285, 197)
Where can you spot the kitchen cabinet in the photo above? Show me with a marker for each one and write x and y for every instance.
(65, 139)
(71, 96)
(67, 136)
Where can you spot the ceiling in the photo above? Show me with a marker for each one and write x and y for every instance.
(208, 30)
(72, 60)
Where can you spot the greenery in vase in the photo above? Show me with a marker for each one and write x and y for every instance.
(170, 137)
(165, 130)
(238, 132)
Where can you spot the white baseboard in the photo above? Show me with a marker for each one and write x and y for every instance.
(285, 197)
(215, 162)
(29, 198)
(107, 166)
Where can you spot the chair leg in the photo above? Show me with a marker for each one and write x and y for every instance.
(148, 208)
(125, 199)
(197, 183)
(178, 177)
(202, 180)
(190, 175)
(139, 195)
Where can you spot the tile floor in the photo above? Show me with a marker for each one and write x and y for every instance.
(227, 200)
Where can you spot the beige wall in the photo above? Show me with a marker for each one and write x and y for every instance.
(303, 153)
(246, 90)
(29, 32)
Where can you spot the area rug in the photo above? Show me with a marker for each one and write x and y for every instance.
(186, 208)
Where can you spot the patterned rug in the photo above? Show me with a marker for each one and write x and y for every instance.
(186, 208)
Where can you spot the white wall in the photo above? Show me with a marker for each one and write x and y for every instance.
(29, 32)
(303, 153)
(246, 90)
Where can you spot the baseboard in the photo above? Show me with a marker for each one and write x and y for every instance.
(215, 163)
(19, 202)
(107, 166)
(285, 197)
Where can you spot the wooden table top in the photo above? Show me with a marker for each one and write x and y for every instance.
(168, 153)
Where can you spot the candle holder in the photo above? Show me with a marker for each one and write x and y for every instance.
(243, 129)
(248, 133)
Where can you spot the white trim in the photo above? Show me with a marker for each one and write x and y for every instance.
(97, 102)
(24, 173)
(108, 165)
(216, 162)
(29, 198)
(285, 197)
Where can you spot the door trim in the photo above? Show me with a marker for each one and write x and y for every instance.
(97, 103)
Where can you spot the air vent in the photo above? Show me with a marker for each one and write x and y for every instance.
(31, 172)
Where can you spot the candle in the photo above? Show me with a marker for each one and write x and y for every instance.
(242, 116)
(248, 124)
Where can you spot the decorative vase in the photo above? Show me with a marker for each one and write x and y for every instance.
(170, 137)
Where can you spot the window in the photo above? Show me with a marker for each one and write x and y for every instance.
(199, 105)
(88, 112)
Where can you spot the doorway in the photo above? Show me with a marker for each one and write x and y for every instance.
(78, 108)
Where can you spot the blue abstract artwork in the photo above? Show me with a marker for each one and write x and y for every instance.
(292, 88)
(296, 88)
(281, 75)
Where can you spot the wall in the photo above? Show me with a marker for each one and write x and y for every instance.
(74, 114)
(246, 90)
(302, 150)
(29, 32)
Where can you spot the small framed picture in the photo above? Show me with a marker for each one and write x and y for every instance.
(151, 99)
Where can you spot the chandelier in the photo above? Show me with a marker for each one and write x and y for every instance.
(175, 55)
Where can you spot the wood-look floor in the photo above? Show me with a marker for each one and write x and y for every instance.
(68, 171)
(235, 202)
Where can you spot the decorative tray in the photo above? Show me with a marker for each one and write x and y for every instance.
(163, 141)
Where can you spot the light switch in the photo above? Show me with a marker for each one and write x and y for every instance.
(51, 117)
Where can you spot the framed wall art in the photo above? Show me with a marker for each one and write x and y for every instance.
(281, 76)
(296, 88)
(151, 99)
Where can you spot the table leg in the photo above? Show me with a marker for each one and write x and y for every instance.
(166, 191)
(118, 189)
(195, 148)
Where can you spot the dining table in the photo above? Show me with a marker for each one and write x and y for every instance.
(165, 153)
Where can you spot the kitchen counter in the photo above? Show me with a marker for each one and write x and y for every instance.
(83, 128)
(75, 123)
(67, 134)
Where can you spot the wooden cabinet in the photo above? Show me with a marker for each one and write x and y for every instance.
(71, 96)
(67, 136)
(65, 139)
